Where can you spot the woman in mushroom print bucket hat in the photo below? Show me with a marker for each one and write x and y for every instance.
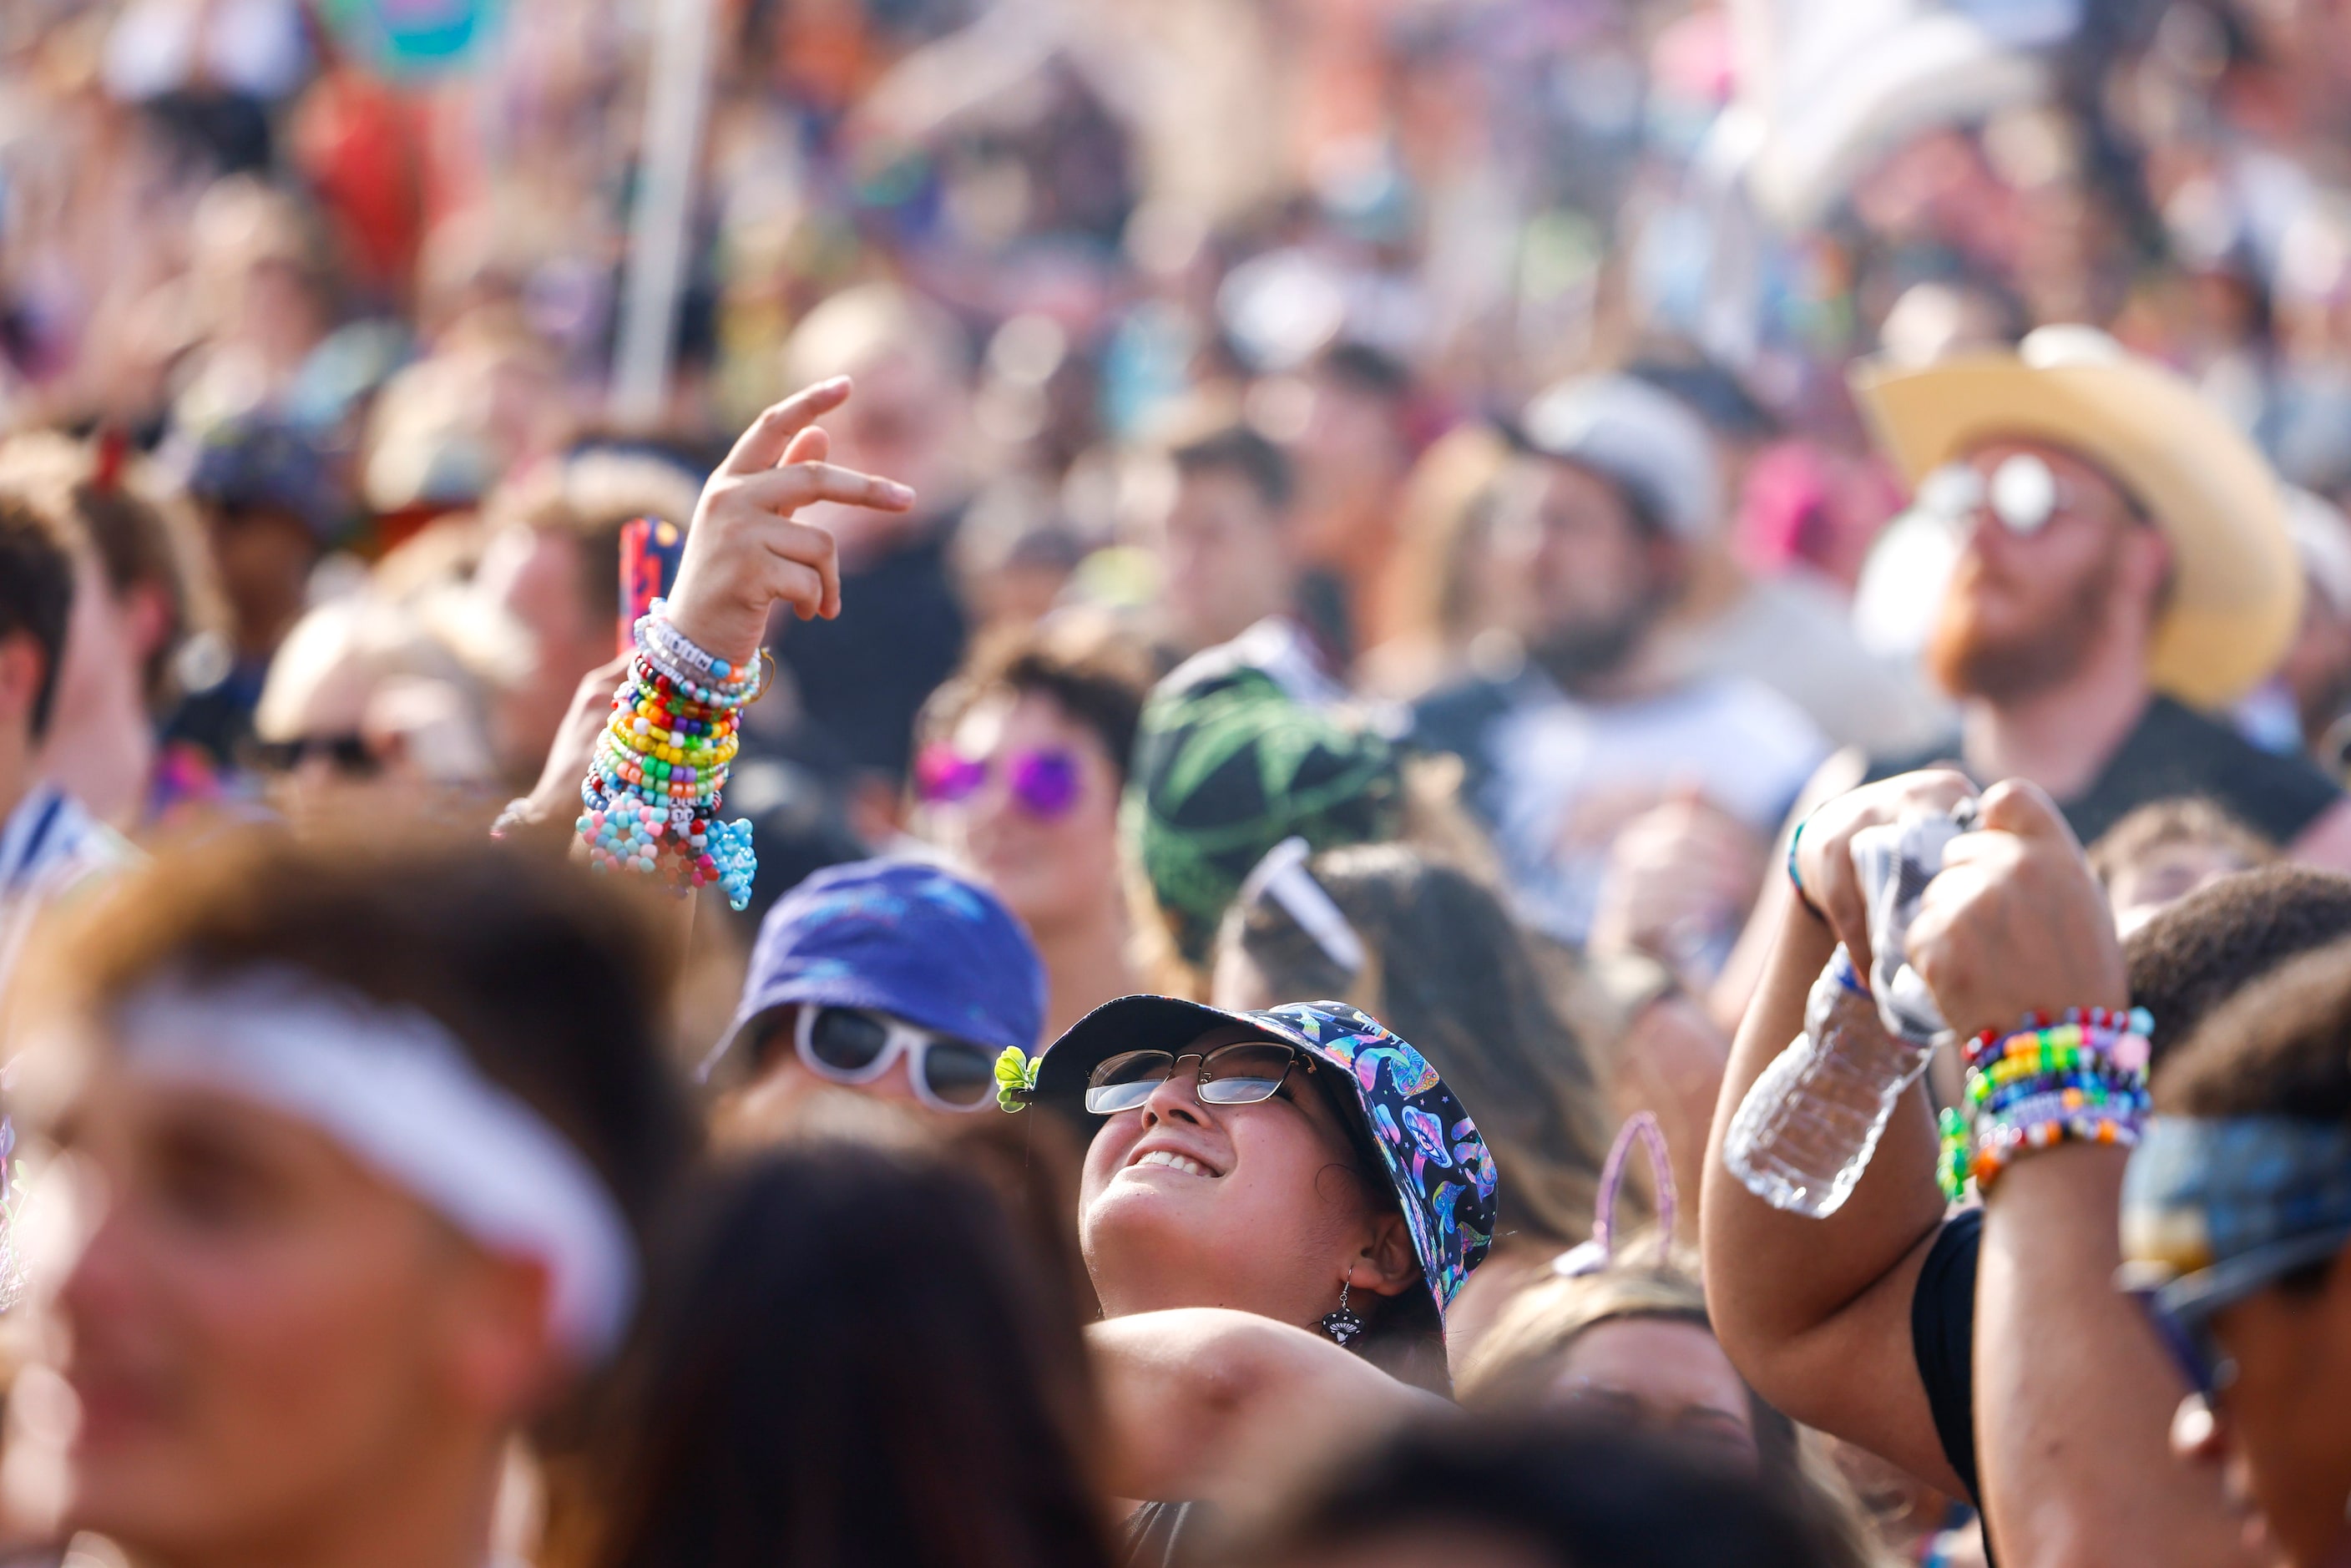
(1302, 1163)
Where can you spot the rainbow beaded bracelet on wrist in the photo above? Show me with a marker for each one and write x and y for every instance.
(2080, 1077)
(649, 802)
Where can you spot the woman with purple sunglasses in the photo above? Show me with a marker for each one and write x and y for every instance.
(1019, 775)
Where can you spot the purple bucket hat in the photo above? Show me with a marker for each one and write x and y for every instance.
(1438, 1165)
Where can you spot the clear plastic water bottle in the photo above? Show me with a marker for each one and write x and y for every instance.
(1810, 1123)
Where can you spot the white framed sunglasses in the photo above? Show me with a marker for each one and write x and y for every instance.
(853, 1046)
(2022, 493)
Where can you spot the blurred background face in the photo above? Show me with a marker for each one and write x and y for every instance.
(1665, 1377)
(533, 575)
(1265, 1222)
(1225, 559)
(1593, 580)
(251, 1327)
(2022, 613)
(1352, 458)
(905, 421)
(1040, 825)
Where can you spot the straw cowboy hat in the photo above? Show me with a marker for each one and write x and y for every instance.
(2236, 591)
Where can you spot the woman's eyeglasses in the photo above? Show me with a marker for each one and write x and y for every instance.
(1243, 1073)
(1045, 782)
(850, 1045)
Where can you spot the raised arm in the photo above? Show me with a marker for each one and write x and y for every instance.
(2073, 1396)
(1816, 1312)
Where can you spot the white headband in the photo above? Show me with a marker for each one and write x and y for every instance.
(1283, 875)
(403, 1098)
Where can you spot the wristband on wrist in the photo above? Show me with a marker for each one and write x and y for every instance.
(1796, 881)
(2078, 1079)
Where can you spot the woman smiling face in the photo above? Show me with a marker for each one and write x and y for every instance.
(1263, 1208)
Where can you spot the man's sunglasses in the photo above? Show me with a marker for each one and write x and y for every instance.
(1045, 782)
(2187, 1333)
(348, 753)
(1243, 1073)
(850, 1045)
(2022, 493)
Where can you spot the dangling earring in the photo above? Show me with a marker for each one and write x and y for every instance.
(1343, 1325)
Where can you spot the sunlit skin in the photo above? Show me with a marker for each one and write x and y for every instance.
(1225, 559)
(2278, 1431)
(1280, 1219)
(1667, 1376)
(276, 1357)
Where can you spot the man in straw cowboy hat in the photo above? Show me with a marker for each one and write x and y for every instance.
(2125, 571)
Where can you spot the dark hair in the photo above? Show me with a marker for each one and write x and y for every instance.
(1450, 970)
(37, 588)
(1575, 1496)
(1093, 671)
(98, 492)
(1364, 369)
(851, 1361)
(2193, 956)
(1236, 449)
(2281, 1048)
(543, 973)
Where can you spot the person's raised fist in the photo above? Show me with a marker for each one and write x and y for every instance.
(2015, 923)
(1824, 860)
(745, 552)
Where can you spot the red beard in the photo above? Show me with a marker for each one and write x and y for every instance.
(1969, 658)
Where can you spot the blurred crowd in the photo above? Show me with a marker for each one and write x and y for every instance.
(1430, 522)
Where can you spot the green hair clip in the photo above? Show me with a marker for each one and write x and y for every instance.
(1015, 1078)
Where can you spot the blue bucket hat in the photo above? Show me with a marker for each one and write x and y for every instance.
(1434, 1159)
(903, 938)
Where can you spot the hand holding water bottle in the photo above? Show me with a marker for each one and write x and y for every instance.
(2015, 922)
(1823, 865)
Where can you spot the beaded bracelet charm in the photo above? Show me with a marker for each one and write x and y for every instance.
(649, 802)
(2080, 1077)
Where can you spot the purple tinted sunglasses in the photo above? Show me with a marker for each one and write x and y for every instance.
(1044, 782)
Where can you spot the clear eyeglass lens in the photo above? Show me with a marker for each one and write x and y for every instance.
(1125, 1080)
(847, 1039)
(1243, 1074)
(2023, 494)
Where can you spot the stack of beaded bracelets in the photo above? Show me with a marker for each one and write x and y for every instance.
(651, 798)
(2082, 1077)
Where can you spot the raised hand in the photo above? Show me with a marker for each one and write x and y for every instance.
(745, 551)
(1824, 867)
(2015, 923)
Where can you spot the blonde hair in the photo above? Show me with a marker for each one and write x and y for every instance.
(1543, 1321)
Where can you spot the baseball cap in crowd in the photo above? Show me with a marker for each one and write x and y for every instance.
(1229, 766)
(260, 465)
(1639, 437)
(903, 938)
(1429, 1148)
